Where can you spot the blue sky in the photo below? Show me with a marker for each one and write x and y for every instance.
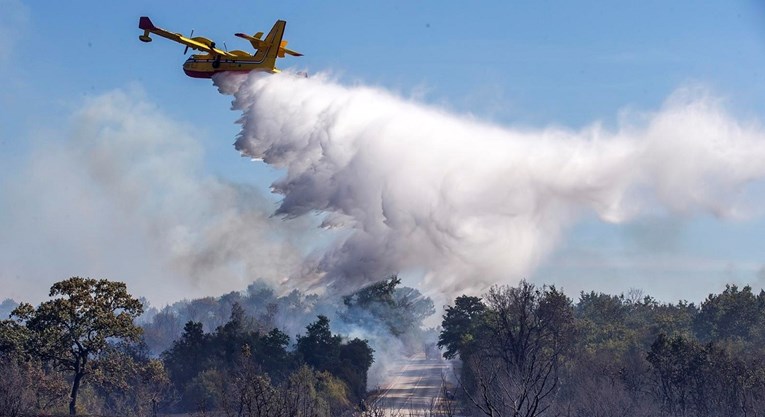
(529, 64)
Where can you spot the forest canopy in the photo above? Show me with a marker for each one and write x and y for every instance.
(522, 350)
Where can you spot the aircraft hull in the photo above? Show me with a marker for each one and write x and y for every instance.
(205, 67)
(209, 74)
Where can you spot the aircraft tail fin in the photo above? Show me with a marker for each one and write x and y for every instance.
(273, 39)
(268, 49)
(145, 23)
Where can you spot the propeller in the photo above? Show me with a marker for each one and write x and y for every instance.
(187, 47)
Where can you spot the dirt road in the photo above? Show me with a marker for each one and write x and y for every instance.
(412, 389)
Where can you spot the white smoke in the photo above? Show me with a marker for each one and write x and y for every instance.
(472, 203)
(123, 195)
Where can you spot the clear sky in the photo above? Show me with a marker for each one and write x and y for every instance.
(532, 64)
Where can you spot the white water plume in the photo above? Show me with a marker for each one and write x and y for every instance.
(472, 203)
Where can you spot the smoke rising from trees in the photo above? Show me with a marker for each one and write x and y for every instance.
(122, 191)
(471, 203)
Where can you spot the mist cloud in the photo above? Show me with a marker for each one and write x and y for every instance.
(472, 203)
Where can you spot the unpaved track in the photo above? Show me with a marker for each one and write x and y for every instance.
(412, 387)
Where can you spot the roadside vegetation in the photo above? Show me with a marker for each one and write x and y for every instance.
(518, 351)
(531, 351)
(83, 352)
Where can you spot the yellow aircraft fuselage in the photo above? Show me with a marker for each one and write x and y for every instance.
(213, 60)
(205, 65)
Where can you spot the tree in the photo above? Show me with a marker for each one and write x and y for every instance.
(129, 381)
(319, 347)
(461, 325)
(13, 338)
(597, 388)
(704, 380)
(300, 397)
(514, 364)
(16, 387)
(80, 323)
(164, 328)
(188, 357)
(733, 314)
(355, 359)
(602, 321)
(272, 355)
(400, 310)
(324, 351)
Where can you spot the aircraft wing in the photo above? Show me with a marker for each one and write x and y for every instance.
(199, 43)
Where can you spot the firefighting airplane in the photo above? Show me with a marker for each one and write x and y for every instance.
(215, 60)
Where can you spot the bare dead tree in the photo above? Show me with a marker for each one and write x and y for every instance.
(515, 368)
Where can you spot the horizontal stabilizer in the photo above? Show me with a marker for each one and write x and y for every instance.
(259, 44)
(256, 42)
